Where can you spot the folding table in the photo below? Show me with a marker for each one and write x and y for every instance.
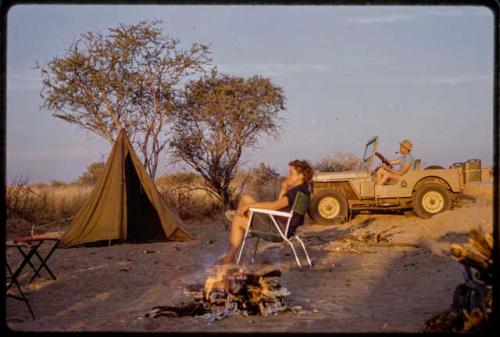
(29, 247)
(33, 244)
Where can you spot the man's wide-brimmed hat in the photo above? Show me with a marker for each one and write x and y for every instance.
(406, 143)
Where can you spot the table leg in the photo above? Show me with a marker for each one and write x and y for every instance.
(21, 297)
(44, 263)
(21, 266)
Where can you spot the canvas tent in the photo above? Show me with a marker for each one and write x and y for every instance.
(124, 205)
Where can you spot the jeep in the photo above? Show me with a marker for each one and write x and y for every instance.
(337, 196)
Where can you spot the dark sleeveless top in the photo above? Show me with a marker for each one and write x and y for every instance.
(297, 219)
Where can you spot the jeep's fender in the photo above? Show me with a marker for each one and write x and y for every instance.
(451, 179)
(431, 180)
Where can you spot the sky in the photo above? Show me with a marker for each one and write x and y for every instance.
(423, 73)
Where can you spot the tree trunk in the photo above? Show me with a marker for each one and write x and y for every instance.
(228, 201)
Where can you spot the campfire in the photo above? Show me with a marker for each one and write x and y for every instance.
(237, 291)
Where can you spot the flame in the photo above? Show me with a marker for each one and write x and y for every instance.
(264, 286)
(209, 285)
(212, 282)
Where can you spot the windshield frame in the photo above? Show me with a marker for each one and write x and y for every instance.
(368, 160)
(372, 142)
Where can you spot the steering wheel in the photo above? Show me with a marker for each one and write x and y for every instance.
(383, 159)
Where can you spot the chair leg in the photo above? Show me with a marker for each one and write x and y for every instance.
(305, 250)
(286, 239)
(255, 250)
(244, 239)
(241, 250)
(257, 244)
(294, 252)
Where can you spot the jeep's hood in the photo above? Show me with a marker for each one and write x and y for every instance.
(329, 176)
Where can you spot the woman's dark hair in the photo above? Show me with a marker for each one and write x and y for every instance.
(303, 166)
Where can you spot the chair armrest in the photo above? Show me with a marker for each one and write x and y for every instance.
(270, 212)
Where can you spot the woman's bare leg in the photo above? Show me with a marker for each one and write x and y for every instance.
(238, 227)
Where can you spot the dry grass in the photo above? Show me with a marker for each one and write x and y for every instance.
(41, 205)
(62, 202)
(32, 206)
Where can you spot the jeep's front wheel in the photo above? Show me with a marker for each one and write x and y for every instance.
(328, 207)
(430, 200)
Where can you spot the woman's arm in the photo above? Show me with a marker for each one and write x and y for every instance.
(284, 189)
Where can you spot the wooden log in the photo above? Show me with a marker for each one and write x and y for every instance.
(489, 239)
(474, 320)
(447, 321)
(468, 258)
(272, 273)
(479, 243)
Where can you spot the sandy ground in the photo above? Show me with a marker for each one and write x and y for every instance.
(385, 289)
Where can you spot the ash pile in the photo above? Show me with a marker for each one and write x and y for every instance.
(237, 292)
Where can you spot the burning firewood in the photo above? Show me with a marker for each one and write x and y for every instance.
(472, 300)
(235, 291)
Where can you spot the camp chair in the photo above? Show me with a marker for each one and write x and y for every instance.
(13, 276)
(300, 206)
(29, 246)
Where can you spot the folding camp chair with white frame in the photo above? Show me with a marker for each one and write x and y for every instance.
(300, 206)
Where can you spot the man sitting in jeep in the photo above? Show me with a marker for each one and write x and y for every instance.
(406, 162)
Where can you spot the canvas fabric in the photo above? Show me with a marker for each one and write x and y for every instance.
(124, 205)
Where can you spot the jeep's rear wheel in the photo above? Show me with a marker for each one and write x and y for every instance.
(430, 200)
(328, 207)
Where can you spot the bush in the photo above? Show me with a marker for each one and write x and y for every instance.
(92, 174)
(261, 181)
(20, 199)
(39, 205)
(187, 194)
(57, 183)
(340, 161)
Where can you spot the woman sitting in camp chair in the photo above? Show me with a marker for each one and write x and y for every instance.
(299, 174)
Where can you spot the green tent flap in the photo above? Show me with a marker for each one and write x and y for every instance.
(124, 205)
